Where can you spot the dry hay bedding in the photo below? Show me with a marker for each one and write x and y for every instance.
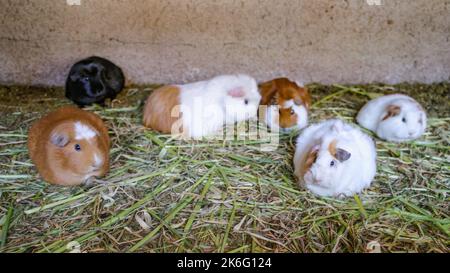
(165, 196)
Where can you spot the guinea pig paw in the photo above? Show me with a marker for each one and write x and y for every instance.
(100, 181)
(92, 181)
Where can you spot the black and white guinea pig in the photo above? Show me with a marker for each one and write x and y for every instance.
(394, 117)
(93, 80)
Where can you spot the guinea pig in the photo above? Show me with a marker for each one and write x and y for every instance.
(333, 158)
(199, 109)
(69, 146)
(394, 117)
(287, 104)
(93, 80)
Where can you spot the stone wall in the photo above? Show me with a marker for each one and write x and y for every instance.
(327, 41)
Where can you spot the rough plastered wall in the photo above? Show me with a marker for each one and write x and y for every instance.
(327, 41)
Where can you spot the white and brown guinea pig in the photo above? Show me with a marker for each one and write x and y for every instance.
(394, 117)
(199, 109)
(333, 158)
(69, 146)
(293, 103)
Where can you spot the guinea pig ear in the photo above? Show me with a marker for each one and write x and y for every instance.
(338, 153)
(79, 73)
(342, 155)
(296, 93)
(298, 101)
(237, 92)
(392, 111)
(59, 139)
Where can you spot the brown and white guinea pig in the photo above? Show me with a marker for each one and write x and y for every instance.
(394, 117)
(287, 104)
(199, 109)
(69, 146)
(333, 158)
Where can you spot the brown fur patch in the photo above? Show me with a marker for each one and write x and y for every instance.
(332, 148)
(159, 106)
(392, 111)
(309, 161)
(289, 90)
(287, 120)
(267, 91)
(280, 90)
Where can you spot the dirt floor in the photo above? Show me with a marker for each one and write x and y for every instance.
(163, 195)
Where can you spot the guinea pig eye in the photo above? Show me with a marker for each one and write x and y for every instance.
(332, 163)
(77, 147)
(292, 111)
(246, 101)
(404, 120)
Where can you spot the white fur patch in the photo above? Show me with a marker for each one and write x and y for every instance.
(302, 116)
(97, 160)
(300, 83)
(206, 106)
(82, 131)
(288, 104)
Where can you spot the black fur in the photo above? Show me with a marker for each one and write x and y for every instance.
(93, 80)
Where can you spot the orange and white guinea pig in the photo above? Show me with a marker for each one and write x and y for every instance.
(334, 158)
(69, 146)
(200, 109)
(287, 104)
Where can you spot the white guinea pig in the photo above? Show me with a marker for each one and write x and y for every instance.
(333, 158)
(202, 108)
(394, 117)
